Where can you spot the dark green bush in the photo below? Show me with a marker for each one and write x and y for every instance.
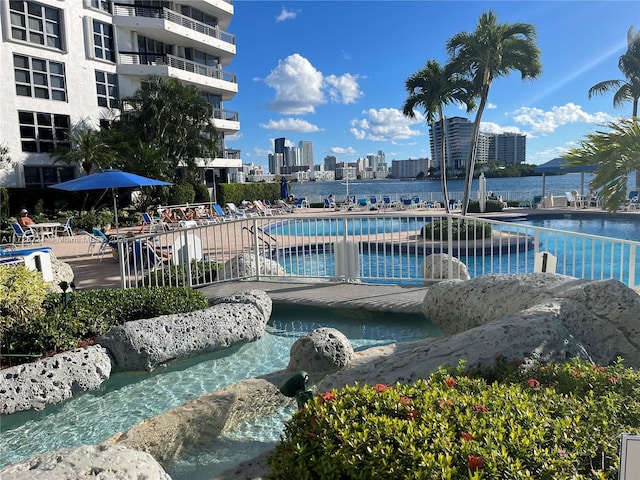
(181, 193)
(491, 206)
(202, 193)
(546, 422)
(467, 230)
(92, 313)
(176, 275)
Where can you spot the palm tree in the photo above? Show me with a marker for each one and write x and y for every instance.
(88, 149)
(616, 153)
(492, 51)
(432, 88)
(628, 89)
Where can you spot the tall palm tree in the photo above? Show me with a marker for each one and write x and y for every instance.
(627, 90)
(617, 154)
(492, 51)
(432, 88)
(88, 149)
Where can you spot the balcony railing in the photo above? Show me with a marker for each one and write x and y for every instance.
(123, 10)
(227, 115)
(381, 248)
(134, 58)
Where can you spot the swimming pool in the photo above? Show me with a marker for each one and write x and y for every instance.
(385, 258)
(347, 225)
(125, 400)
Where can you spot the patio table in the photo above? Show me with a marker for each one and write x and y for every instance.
(47, 229)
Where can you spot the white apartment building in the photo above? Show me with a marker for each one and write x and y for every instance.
(71, 61)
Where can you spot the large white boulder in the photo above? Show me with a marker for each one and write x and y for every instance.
(246, 265)
(103, 462)
(148, 343)
(33, 386)
(436, 267)
(322, 350)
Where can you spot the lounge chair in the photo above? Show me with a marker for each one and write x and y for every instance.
(66, 228)
(221, 214)
(632, 201)
(149, 255)
(97, 238)
(329, 204)
(24, 235)
(574, 200)
(152, 224)
(262, 209)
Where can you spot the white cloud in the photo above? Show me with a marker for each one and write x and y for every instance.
(490, 127)
(298, 86)
(343, 151)
(491, 106)
(258, 153)
(385, 124)
(343, 89)
(290, 125)
(235, 137)
(548, 121)
(286, 15)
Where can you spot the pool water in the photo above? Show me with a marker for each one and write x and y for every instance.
(352, 226)
(125, 400)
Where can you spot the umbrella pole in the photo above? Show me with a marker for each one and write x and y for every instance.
(115, 208)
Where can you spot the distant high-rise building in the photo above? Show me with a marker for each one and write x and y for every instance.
(409, 168)
(330, 162)
(306, 148)
(501, 148)
(279, 145)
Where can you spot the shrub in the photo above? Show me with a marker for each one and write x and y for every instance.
(92, 313)
(181, 193)
(490, 206)
(22, 292)
(201, 272)
(549, 421)
(467, 230)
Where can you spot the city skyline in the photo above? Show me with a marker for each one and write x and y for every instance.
(333, 73)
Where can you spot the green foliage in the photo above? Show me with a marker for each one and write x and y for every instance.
(21, 294)
(467, 230)
(519, 170)
(95, 218)
(92, 313)
(544, 422)
(181, 193)
(202, 193)
(4, 206)
(201, 272)
(491, 206)
(237, 192)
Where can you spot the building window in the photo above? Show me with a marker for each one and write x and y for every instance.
(103, 41)
(43, 132)
(104, 5)
(44, 176)
(39, 78)
(35, 23)
(107, 89)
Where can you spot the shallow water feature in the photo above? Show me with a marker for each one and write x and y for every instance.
(126, 399)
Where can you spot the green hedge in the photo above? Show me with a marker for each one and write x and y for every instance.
(491, 206)
(201, 272)
(91, 313)
(467, 230)
(237, 192)
(543, 422)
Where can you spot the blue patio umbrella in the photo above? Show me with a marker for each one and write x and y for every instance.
(284, 188)
(106, 179)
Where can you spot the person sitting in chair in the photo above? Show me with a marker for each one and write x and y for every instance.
(24, 219)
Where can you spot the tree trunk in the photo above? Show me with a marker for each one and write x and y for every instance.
(443, 162)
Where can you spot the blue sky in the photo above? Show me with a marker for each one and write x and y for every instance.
(333, 72)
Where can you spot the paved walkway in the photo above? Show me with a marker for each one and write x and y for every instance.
(390, 298)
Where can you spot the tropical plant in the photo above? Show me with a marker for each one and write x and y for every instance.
(543, 421)
(171, 118)
(617, 154)
(492, 51)
(627, 90)
(4, 154)
(432, 88)
(22, 292)
(88, 149)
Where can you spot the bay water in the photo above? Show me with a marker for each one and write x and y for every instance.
(511, 188)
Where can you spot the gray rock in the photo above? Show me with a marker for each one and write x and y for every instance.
(246, 265)
(258, 298)
(146, 344)
(103, 462)
(62, 272)
(436, 267)
(33, 386)
(322, 350)
(456, 306)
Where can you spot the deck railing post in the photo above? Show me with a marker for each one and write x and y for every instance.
(450, 243)
(256, 248)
